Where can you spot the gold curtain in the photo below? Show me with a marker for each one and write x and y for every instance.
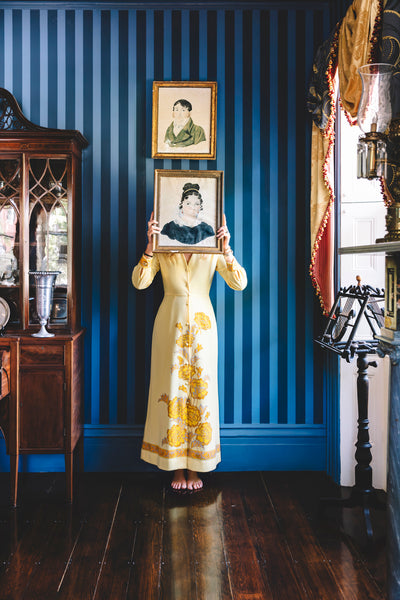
(356, 44)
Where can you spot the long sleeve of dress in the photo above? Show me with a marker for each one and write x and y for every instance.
(233, 274)
(145, 271)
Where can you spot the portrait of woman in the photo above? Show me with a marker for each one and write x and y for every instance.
(188, 227)
(182, 131)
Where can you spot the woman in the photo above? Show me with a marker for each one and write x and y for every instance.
(182, 425)
(182, 131)
(188, 228)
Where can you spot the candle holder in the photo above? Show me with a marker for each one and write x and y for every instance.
(373, 117)
(44, 282)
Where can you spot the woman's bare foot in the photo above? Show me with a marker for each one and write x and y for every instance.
(193, 481)
(179, 481)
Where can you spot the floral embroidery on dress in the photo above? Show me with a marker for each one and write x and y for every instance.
(190, 427)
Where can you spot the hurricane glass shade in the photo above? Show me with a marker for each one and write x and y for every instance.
(375, 109)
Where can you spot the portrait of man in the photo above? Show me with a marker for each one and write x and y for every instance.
(182, 131)
(184, 119)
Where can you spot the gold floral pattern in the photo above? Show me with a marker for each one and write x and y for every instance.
(176, 436)
(189, 429)
(193, 415)
(186, 372)
(202, 321)
(198, 388)
(185, 340)
(204, 433)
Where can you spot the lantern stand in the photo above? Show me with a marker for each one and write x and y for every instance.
(351, 305)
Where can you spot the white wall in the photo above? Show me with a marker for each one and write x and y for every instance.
(362, 222)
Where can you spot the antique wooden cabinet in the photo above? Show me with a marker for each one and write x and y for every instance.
(41, 398)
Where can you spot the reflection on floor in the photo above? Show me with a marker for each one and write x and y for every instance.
(244, 536)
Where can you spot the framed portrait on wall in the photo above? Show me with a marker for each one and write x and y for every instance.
(184, 119)
(188, 206)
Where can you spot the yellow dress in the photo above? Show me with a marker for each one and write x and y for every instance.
(182, 424)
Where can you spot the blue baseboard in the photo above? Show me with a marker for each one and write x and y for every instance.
(112, 448)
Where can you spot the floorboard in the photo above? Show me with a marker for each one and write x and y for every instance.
(323, 578)
(212, 571)
(245, 536)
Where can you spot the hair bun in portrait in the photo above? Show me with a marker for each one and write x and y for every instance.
(191, 186)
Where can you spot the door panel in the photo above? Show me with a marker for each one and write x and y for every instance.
(42, 410)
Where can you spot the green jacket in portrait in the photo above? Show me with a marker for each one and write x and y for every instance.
(189, 135)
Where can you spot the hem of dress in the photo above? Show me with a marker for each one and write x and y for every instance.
(168, 464)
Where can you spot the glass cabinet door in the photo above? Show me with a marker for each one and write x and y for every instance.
(10, 222)
(48, 230)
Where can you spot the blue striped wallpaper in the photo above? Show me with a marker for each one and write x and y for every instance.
(91, 67)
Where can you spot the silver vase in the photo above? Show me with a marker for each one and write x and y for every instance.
(44, 281)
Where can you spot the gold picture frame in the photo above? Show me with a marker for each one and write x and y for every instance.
(188, 206)
(184, 119)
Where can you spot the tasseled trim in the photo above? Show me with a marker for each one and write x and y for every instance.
(328, 133)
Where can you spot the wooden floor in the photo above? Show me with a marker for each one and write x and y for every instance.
(246, 536)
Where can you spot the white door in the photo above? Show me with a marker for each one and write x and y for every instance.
(362, 222)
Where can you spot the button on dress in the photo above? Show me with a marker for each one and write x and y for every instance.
(182, 424)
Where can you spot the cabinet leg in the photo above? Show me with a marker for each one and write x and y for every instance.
(69, 474)
(81, 455)
(14, 478)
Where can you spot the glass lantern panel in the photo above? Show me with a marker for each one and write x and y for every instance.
(48, 230)
(10, 198)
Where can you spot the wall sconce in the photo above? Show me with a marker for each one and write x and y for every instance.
(378, 150)
(373, 117)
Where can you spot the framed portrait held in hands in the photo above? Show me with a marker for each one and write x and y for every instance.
(188, 206)
(184, 119)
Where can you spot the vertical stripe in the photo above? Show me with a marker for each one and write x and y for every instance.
(70, 69)
(105, 255)
(8, 50)
(245, 217)
(52, 68)
(132, 185)
(203, 42)
(79, 70)
(282, 218)
(273, 202)
(124, 264)
(114, 217)
(35, 65)
(87, 209)
(255, 225)
(2, 51)
(144, 301)
(291, 223)
(61, 70)
(17, 53)
(44, 75)
(96, 219)
(263, 245)
(26, 62)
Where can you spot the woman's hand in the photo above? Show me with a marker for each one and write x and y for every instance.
(152, 229)
(224, 235)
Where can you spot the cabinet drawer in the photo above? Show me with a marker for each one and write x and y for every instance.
(42, 355)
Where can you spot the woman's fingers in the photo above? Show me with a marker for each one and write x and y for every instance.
(223, 232)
